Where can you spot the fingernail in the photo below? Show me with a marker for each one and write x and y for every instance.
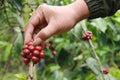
(37, 41)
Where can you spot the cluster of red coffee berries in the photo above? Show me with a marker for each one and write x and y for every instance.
(30, 52)
(35, 53)
(87, 35)
(105, 71)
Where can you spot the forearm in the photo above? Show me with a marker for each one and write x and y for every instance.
(80, 10)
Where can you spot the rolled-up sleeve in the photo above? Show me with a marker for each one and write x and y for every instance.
(102, 8)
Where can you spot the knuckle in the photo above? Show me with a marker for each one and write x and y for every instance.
(44, 35)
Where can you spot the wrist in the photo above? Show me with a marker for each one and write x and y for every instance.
(80, 10)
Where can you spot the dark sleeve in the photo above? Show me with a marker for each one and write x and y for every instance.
(102, 8)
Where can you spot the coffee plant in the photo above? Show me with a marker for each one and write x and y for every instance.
(90, 51)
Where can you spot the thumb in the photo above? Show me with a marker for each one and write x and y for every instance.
(44, 34)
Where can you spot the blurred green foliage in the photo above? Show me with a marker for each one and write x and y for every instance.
(70, 62)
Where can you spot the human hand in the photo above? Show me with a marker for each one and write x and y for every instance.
(50, 20)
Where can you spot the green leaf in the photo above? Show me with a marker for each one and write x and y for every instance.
(58, 75)
(65, 59)
(3, 43)
(100, 24)
(116, 19)
(7, 52)
(21, 76)
(16, 4)
(77, 30)
(115, 72)
(53, 68)
(79, 57)
(106, 77)
(117, 14)
(18, 43)
(19, 19)
(93, 65)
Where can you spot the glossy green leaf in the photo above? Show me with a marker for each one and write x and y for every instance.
(18, 44)
(93, 65)
(100, 24)
(19, 19)
(16, 4)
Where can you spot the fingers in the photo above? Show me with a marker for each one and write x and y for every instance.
(44, 34)
(39, 18)
(36, 18)
(34, 21)
(29, 29)
(28, 33)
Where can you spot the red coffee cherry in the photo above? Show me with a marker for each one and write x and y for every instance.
(36, 53)
(105, 71)
(42, 54)
(26, 60)
(31, 48)
(29, 56)
(35, 59)
(23, 54)
(25, 47)
(54, 52)
(89, 32)
(39, 48)
(26, 51)
(87, 35)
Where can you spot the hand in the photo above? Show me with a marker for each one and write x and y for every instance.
(50, 20)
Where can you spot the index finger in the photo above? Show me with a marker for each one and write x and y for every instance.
(29, 28)
(28, 33)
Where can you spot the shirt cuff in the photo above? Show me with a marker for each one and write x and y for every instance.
(96, 8)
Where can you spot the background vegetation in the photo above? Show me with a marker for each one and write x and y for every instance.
(74, 60)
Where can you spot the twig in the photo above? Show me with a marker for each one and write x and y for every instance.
(93, 49)
(94, 54)
(32, 72)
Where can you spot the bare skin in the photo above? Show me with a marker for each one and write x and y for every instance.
(50, 20)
